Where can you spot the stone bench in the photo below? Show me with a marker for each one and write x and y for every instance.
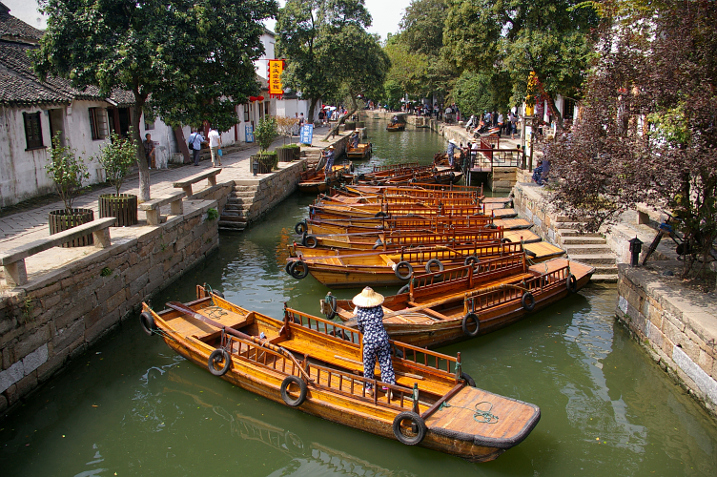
(14, 260)
(152, 207)
(186, 184)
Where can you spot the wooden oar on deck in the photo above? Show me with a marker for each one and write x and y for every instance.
(182, 308)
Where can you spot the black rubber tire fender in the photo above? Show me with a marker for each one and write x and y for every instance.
(471, 260)
(301, 227)
(332, 305)
(571, 283)
(470, 317)
(147, 321)
(417, 423)
(404, 289)
(290, 401)
(431, 262)
(505, 240)
(287, 267)
(407, 266)
(311, 241)
(299, 274)
(528, 301)
(217, 356)
(380, 214)
(469, 381)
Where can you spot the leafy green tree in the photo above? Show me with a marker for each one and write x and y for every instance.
(266, 131)
(189, 62)
(422, 26)
(117, 158)
(514, 37)
(67, 171)
(393, 93)
(327, 48)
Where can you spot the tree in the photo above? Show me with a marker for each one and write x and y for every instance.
(550, 37)
(189, 62)
(117, 158)
(422, 26)
(310, 33)
(67, 172)
(646, 132)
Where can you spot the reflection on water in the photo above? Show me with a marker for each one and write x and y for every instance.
(131, 406)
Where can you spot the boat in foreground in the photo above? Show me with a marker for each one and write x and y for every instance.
(315, 365)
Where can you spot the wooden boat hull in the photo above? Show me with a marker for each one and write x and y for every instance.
(396, 127)
(442, 325)
(363, 151)
(334, 388)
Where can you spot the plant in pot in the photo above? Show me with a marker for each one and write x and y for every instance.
(67, 171)
(265, 133)
(117, 158)
(285, 126)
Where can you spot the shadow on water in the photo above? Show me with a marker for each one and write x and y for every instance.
(130, 406)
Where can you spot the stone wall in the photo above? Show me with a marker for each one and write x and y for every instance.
(529, 205)
(272, 189)
(676, 327)
(60, 314)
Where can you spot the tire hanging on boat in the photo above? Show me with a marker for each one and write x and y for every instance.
(471, 260)
(404, 289)
(571, 283)
(431, 262)
(469, 381)
(217, 356)
(528, 301)
(470, 317)
(302, 272)
(147, 321)
(311, 241)
(407, 266)
(301, 227)
(418, 426)
(290, 401)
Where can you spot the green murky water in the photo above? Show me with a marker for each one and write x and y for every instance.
(131, 407)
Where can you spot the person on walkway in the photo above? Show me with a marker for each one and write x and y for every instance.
(329, 155)
(150, 151)
(215, 142)
(513, 124)
(501, 123)
(196, 139)
(369, 318)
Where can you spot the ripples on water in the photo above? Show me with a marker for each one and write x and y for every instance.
(131, 406)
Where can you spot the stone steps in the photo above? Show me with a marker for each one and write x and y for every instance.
(589, 248)
(240, 200)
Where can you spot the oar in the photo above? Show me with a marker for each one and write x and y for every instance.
(182, 308)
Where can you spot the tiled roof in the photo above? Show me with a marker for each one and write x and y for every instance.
(14, 29)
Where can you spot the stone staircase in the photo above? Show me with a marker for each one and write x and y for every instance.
(234, 215)
(588, 248)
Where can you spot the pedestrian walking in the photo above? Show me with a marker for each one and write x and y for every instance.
(215, 142)
(195, 142)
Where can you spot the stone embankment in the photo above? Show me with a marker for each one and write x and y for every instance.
(676, 325)
(74, 296)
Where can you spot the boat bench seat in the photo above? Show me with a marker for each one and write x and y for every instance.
(186, 183)
(14, 259)
(153, 207)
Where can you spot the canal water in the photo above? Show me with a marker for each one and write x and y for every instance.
(131, 407)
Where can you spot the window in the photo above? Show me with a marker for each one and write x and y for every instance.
(246, 113)
(33, 130)
(98, 123)
(568, 109)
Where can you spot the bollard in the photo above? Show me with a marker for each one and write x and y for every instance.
(255, 167)
(635, 249)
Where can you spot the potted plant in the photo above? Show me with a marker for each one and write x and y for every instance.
(117, 158)
(285, 126)
(68, 172)
(265, 133)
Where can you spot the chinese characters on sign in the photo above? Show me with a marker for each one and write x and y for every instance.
(276, 67)
(249, 132)
(307, 134)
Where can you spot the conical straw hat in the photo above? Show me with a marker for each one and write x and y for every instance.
(368, 298)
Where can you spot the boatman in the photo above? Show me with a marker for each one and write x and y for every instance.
(369, 315)
(355, 140)
(329, 155)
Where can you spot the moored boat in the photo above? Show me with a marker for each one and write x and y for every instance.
(360, 152)
(473, 300)
(297, 361)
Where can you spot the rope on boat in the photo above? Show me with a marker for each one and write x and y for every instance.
(482, 416)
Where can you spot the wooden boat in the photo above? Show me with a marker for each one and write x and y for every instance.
(360, 152)
(338, 211)
(297, 361)
(372, 224)
(372, 193)
(394, 239)
(315, 182)
(473, 300)
(396, 127)
(351, 268)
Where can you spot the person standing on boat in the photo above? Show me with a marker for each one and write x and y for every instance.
(329, 155)
(369, 315)
(355, 140)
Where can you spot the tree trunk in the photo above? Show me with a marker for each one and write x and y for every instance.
(554, 111)
(312, 109)
(341, 121)
(144, 179)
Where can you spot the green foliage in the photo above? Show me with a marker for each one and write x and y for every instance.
(106, 272)
(267, 161)
(477, 93)
(393, 92)
(266, 131)
(66, 170)
(422, 26)
(212, 214)
(117, 158)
